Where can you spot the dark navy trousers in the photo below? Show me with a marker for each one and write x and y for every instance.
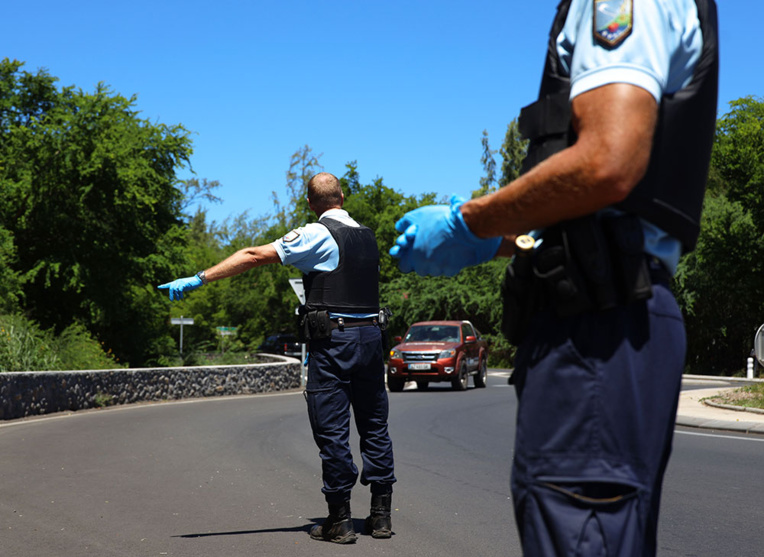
(347, 372)
(598, 394)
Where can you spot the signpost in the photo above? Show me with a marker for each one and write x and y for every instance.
(299, 289)
(181, 321)
(225, 332)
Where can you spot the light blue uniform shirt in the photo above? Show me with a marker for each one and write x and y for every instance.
(313, 248)
(659, 56)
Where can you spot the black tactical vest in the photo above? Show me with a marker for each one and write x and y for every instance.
(353, 287)
(671, 193)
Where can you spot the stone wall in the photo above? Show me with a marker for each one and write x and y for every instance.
(33, 393)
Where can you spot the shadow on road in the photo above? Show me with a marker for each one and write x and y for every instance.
(305, 528)
(358, 526)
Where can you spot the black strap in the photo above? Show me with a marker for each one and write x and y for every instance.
(545, 117)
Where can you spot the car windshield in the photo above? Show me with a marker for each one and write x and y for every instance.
(432, 333)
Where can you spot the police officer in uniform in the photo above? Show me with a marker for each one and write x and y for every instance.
(613, 184)
(341, 320)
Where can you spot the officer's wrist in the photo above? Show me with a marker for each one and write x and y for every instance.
(465, 213)
(460, 215)
(486, 248)
(202, 277)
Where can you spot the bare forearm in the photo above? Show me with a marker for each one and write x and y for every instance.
(607, 161)
(242, 261)
(560, 188)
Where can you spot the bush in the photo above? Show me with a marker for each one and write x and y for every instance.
(26, 347)
(500, 352)
(77, 349)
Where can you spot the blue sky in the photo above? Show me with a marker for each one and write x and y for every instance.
(405, 88)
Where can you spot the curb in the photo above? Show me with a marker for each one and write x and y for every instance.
(720, 425)
(737, 424)
(733, 407)
(723, 378)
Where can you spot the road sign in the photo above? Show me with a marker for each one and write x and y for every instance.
(299, 289)
(181, 321)
(758, 345)
(226, 331)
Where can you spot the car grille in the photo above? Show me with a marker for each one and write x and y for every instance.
(414, 357)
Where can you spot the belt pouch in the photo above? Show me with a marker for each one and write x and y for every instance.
(631, 270)
(558, 271)
(520, 298)
(589, 248)
(318, 325)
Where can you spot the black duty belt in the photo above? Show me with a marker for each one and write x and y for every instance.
(348, 322)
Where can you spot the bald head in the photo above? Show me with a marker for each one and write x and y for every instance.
(324, 193)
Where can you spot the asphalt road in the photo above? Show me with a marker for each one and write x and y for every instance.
(240, 476)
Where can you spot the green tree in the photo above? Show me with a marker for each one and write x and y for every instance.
(719, 285)
(10, 282)
(513, 152)
(738, 155)
(487, 182)
(303, 165)
(719, 288)
(195, 190)
(90, 195)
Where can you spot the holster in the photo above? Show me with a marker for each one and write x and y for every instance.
(520, 297)
(632, 273)
(593, 263)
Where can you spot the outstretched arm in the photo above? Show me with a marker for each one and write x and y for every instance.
(241, 261)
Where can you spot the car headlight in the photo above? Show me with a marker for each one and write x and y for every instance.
(395, 353)
(447, 354)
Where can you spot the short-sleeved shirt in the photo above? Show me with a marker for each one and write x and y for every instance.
(313, 248)
(660, 56)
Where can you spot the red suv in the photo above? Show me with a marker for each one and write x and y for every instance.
(438, 351)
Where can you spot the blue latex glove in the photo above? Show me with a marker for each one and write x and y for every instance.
(181, 285)
(437, 241)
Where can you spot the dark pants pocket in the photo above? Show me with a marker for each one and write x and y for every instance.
(591, 519)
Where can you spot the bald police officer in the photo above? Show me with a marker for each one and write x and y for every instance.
(613, 184)
(340, 262)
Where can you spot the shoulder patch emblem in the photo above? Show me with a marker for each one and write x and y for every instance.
(612, 22)
(290, 236)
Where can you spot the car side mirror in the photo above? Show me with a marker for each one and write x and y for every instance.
(470, 339)
(397, 339)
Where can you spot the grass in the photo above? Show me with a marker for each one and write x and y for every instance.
(102, 400)
(750, 396)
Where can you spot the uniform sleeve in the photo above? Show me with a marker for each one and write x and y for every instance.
(309, 248)
(658, 54)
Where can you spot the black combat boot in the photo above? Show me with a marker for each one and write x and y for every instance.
(338, 526)
(378, 523)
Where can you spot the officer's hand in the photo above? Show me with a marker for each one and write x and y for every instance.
(437, 241)
(181, 285)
